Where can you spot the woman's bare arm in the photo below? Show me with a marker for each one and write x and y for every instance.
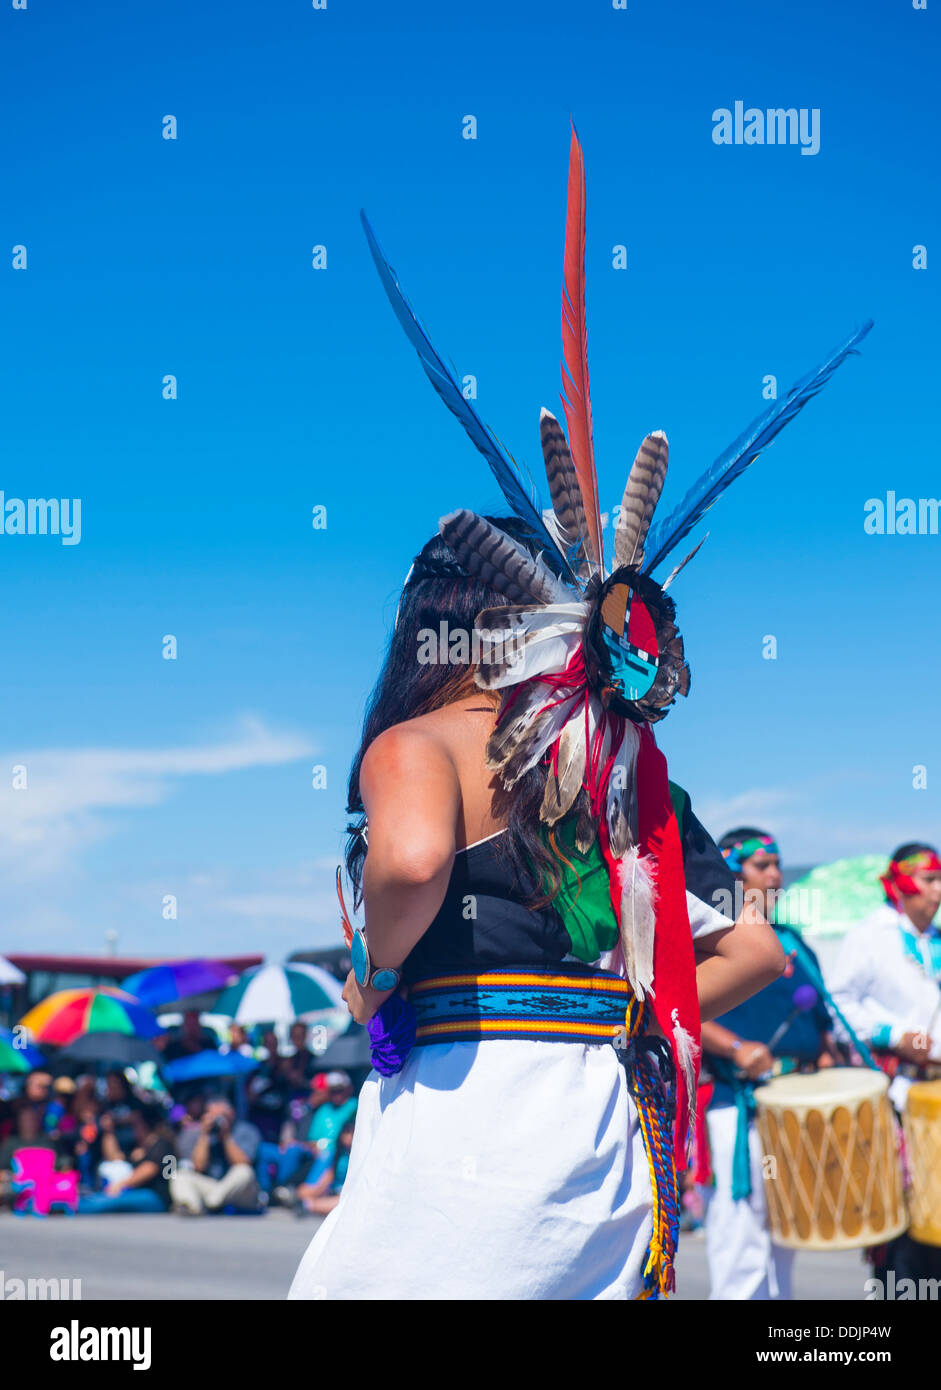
(733, 965)
(412, 797)
(411, 793)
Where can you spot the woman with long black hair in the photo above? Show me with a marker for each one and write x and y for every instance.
(535, 887)
(493, 1164)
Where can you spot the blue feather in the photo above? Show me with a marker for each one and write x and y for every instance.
(445, 382)
(736, 458)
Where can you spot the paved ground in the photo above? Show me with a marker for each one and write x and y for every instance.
(254, 1257)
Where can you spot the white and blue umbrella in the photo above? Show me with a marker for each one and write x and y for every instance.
(9, 973)
(279, 994)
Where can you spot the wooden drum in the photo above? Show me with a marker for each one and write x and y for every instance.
(922, 1122)
(833, 1180)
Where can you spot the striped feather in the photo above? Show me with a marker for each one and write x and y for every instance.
(641, 495)
(533, 724)
(490, 554)
(571, 528)
(563, 785)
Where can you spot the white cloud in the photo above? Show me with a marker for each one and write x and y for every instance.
(755, 807)
(821, 819)
(274, 911)
(71, 791)
(301, 907)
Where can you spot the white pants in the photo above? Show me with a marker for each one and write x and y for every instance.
(197, 1192)
(744, 1263)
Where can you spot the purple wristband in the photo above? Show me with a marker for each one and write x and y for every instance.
(391, 1035)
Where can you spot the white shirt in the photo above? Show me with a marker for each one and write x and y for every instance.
(886, 979)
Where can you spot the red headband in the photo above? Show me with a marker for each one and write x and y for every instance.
(898, 877)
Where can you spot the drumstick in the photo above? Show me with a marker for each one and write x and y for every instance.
(804, 999)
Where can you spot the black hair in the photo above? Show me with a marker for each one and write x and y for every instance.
(914, 847)
(744, 832)
(439, 590)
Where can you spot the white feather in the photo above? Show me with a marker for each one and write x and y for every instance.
(638, 920)
(687, 1052)
(551, 721)
(537, 641)
(551, 523)
(570, 769)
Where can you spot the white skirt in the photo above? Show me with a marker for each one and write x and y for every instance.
(500, 1169)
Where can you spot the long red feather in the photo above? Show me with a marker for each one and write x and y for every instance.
(575, 350)
(344, 915)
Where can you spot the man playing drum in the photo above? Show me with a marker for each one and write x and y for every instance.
(886, 981)
(786, 1020)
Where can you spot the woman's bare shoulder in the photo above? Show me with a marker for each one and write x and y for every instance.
(417, 745)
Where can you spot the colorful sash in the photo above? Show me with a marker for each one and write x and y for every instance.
(569, 1004)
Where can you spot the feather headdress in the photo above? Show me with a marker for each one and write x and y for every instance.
(588, 659)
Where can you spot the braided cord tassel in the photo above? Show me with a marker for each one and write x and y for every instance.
(656, 1127)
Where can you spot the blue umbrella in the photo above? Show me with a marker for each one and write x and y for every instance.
(204, 1064)
(18, 1055)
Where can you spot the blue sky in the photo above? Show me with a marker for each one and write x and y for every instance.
(192, 256)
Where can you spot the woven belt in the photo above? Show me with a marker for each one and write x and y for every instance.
(561, 1004)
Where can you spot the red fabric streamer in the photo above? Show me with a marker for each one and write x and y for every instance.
(702, 1156)
(675, 997)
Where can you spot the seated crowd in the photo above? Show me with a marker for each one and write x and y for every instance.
(146, 1150)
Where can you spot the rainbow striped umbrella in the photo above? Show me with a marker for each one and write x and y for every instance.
(70, 1013)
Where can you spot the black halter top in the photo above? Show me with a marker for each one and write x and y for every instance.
(485, 922)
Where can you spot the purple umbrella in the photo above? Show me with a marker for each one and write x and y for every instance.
(178, 979)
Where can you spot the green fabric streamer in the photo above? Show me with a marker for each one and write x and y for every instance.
(680, 800)
(584, 900)
(745, 1105)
